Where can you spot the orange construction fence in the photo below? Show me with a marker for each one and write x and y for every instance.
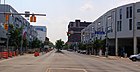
(14, 53)
(0, 55)
(5, 54)
(10, 54)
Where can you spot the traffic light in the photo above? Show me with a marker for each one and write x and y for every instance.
(7, 17)
(6, 26)
(68, 34)
(33, 18)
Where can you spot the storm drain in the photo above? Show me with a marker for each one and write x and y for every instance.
(65, 70)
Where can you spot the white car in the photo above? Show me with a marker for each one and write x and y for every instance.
(135, 57)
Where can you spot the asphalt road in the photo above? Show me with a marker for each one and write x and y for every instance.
(67, 62)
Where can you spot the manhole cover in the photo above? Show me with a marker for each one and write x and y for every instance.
(65, 70)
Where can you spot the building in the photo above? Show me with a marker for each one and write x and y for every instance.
(74, 31)
(42, 31)
(16, 20)
(120, 26)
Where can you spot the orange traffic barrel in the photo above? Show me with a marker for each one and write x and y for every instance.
(0, 55)
(14, 53)
(10, 54)
(5, 54)
(36, 54)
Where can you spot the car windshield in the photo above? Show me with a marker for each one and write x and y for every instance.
(69, 35)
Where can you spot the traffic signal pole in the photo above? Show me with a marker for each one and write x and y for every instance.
(26, 14)
(12, 13)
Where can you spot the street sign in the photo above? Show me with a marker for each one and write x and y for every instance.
(27, 13)
(100, 32)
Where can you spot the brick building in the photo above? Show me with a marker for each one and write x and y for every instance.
(74, 31)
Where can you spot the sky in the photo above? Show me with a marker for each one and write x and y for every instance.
(60, 12)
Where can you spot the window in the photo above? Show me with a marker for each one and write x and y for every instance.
(138, 10)
(127, 11)
(119, 25)
(130, 24)
(71, 25)
(76, 24)
(120, 13)
(138, 25)
(130, 12)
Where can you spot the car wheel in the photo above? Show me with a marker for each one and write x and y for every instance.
(134, 59)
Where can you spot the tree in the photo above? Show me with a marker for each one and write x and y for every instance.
(59, 44)
(99, 45)
(36, 43)
(65, 46)
(82, 46)
(15, 36)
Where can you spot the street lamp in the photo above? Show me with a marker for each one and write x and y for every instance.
(108, 29)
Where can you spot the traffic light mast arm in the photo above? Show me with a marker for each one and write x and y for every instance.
(21, 14)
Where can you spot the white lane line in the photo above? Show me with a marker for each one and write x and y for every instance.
(48, 70)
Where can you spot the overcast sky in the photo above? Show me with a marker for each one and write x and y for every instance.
(61, 12)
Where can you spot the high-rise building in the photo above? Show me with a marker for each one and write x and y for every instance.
(41, 30)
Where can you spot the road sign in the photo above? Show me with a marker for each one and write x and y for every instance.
(27, 13)
(100, 32)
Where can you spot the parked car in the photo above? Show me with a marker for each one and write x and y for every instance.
(83, 51)
(70, 50)
(135, 57)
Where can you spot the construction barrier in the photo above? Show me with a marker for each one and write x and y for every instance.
(36, 54)
(14, 53)
(10, 54)
(0, 55)
(5, 54)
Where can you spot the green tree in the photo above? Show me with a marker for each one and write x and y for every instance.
(59, 44)
(15, 36)
(65, 46)
(82, 46)
(99, 44)
(36, 43)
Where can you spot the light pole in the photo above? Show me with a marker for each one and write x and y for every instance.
(108, 29)
(106, 37)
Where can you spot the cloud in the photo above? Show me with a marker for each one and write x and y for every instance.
(87, 6)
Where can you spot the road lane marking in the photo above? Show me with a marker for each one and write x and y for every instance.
(49, 69)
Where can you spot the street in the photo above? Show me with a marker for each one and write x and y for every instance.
(67, 62)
